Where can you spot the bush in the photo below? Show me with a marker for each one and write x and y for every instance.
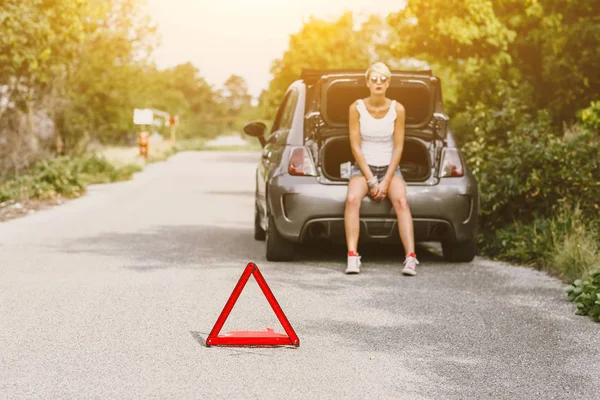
(528, 244)
(94, 169)
(586, 294)
(575, 245)
(590, 117)
(526, 176)
(529, 174)
(46, 179)
(565, 245)
(63, 177)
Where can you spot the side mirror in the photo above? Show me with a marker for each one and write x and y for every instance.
(256, 129)
(441, 125)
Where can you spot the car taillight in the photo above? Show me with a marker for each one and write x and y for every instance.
(301, 163)
(451, 164)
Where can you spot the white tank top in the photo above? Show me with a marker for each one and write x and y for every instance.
(377, 135)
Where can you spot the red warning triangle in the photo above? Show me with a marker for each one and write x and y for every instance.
(252, 338)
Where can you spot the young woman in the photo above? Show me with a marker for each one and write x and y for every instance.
(377, 139)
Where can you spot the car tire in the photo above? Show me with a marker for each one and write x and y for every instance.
(460, 252)
(278, 247)
(259, 232)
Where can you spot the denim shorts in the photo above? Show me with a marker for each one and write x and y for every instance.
(379, 172)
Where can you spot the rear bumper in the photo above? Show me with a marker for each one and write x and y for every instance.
(304, 209)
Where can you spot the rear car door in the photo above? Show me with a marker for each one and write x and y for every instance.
(276, 142)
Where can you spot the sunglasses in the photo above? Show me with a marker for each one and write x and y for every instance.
(376, 79)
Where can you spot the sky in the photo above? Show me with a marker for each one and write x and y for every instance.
(243, 37)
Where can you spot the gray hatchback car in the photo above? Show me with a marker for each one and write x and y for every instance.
(300, 182)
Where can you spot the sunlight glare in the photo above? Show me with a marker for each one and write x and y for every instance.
(225, 37)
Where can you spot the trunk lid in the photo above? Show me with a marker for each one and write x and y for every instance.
(332, 92)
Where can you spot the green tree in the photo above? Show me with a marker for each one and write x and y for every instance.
(100, 89)
(237, 93)
(557, 50)
(320, 44)
(238, 100)
(205, 111)
(544, 53)
(522, 69)
(78, 69)
(39, 39)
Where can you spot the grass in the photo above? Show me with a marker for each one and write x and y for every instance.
(63, 177)
(163, 150)
(68, 177)
(566, 246)
(575, 246)
(230, 148)
(205, 145)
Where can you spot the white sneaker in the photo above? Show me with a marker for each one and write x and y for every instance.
(410, 266)
(353, 265)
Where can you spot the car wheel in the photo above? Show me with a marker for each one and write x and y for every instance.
(460, 252)
(278, 247)
(259, 232)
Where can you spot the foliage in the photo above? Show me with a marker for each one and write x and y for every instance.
(590, 117)
(557, 50)
(565, 245)
(98, 90)
(63, 177)
(321, 44)
(547, 50)
(451, 30)
(586, 294)
(182, 91)
(527, 244)
(71, 73)
(520, 73)
(576, 252)
(94, 169)
(38, 38)
(529, 173)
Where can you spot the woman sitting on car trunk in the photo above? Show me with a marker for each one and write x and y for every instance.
(377, 139)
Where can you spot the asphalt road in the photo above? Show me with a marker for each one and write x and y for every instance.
(113, 295)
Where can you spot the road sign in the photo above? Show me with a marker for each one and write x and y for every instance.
(252, 338)
(143, 116)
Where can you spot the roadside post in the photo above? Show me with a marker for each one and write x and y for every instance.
(143, 142)
(173, 120)
(143, 117)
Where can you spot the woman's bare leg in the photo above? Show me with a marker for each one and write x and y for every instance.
(397, 196)
(357, 190)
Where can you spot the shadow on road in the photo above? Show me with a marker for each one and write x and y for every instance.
(192, 246)
(198, 338)
(243, 193)
(382, 253)
(181, 246)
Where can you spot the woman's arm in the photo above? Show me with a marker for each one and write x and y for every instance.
(398, 141)
(354, 126)
(396, 153)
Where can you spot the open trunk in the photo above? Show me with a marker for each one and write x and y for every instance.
(415, 164)
(332, 93)
(326, 117)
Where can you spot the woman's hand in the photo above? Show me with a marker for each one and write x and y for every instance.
(373, 185)
(383, 189)
(374, 191)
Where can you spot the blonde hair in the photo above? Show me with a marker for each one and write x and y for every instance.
(379, 67)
